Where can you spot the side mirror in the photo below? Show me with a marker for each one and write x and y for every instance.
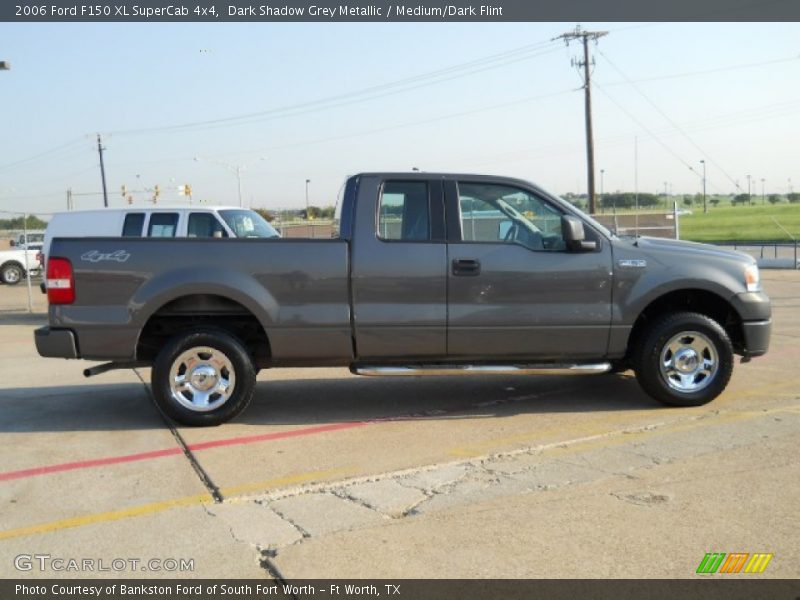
(574, 235)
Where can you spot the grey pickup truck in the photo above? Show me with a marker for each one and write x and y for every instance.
(425, 274)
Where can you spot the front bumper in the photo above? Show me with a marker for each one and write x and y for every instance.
(56, 343)
(756, 337)
(755, 310)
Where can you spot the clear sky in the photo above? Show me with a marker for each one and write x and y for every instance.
(328, 100)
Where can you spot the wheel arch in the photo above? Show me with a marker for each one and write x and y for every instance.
(215, 311)
(702, 301)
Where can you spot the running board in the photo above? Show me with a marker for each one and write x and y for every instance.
(533, 369)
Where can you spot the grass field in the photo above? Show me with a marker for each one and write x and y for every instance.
(741, 223)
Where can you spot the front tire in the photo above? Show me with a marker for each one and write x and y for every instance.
(203, 377)
(684, 359)
(12, 273)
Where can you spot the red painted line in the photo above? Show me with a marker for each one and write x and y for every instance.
(265, 437)
(236, 441)
(126, 458)
(85, 464)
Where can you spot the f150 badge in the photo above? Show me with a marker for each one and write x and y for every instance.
(632, 263)
(95, 256)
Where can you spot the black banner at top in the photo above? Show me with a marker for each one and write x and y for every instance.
(397, 11)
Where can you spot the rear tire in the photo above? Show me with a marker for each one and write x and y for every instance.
(203, 377)
(684, 359)
(12, 273)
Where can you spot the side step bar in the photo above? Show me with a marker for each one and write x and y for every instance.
(532, 369)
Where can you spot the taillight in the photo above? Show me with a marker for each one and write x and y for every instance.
(60, 282)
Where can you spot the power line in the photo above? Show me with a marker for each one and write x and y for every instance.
(703, 71)
(370, 93)
(43, 154)
(670, 121)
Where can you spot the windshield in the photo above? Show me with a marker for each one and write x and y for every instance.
(247, 223)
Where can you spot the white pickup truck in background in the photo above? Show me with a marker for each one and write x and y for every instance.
(15, 263)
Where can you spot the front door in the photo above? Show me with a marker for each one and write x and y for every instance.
(514, 290)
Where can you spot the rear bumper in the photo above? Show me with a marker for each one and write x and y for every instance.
(756, 337)
(55, 343)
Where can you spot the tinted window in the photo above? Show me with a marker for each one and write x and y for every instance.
(205, 225)
(404, 211)
(499, 213)
(133, 225)
(162, 225)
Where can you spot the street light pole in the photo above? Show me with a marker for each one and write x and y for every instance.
(602, 177)
(749, 201)
(705, 205)
(307, 182)
(235, 169)
(763, 201)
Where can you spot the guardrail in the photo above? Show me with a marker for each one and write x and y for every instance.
(769, 254)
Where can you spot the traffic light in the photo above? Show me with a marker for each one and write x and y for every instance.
(124, 190)
(156, 193)
(185, 190)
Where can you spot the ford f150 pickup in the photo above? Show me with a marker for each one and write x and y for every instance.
(427, 274)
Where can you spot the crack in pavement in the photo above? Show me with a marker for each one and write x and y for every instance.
(201, 473)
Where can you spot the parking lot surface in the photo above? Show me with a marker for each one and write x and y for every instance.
(331, 475)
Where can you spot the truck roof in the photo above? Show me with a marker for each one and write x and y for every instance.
(441, 175)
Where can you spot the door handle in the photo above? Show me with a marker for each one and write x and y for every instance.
(466, 267)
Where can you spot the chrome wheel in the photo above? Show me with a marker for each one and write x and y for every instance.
(689, 362)
(202, 379)
(12, 275)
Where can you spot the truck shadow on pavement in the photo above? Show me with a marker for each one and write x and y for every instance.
(310, 402)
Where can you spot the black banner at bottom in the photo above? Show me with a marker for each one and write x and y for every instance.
(405, 589)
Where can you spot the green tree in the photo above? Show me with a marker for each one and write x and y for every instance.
(714, 201)
(740, 199)
(773, 198)
(794, 197)
(268, 216)
(32, 222)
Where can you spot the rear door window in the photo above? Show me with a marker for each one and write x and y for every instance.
(404, 212)
(162, 225)
(132, 227)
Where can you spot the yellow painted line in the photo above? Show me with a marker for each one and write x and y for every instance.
(156, 507)
(599, 430)
(115, 515)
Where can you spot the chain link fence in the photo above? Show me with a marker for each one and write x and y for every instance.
(20, 267)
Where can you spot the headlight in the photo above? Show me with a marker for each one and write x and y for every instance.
(752, 279)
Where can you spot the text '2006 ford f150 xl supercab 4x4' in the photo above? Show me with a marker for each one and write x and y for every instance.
(427, 274)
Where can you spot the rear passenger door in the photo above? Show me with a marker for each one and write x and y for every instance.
(399, 269)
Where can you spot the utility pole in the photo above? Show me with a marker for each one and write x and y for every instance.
(102, 170)
(585, 36)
